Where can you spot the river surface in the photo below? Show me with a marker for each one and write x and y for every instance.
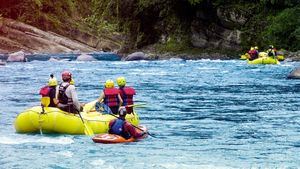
(204, 114)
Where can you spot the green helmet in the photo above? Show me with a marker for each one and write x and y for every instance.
(52, 82)
(121, 81)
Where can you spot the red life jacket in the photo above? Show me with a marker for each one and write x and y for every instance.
(111, 97)
(127, 95)
(45, 91)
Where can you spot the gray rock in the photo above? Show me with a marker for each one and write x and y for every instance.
(295, 74)
(214, 36)
(17, 57)
(230, 18)
(136, 56)
(53, 59)
(85, 57)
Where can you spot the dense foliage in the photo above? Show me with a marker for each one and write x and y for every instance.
(164, 22)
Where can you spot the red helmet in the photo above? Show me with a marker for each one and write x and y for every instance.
(66, 75)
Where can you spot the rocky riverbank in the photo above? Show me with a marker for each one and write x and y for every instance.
(16, 36)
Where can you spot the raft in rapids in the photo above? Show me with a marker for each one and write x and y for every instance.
(54, 120)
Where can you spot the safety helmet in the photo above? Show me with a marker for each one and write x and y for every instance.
(66, 75)
(121, 81)
(72, 82)
(255, 47)
(109, 84)
(122, 111)
(52, 82)
(252, 48)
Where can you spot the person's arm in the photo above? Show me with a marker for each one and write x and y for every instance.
(120, 100)
(101, 98)
(74, 97)
(132, 131)
(56, 93)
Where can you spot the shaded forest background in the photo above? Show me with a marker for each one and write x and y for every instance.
(167, 25)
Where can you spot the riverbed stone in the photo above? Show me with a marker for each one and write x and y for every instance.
(295, 74)
(85, 57)
(17, 57)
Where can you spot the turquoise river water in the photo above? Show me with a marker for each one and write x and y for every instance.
(204, 113)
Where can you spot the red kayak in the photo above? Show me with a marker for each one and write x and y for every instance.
(113, 138)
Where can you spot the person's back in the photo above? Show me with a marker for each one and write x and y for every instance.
(123, 128)
(66, 95)
(252, 53)
(126, 94)
(271, 52)
(52, 83)
(111, 97)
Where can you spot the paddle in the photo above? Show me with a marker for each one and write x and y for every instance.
(136, 105)
(107, 109)
(87, 130)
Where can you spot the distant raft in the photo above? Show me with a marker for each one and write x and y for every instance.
(54, 120)
(113, 138)
(264, 60)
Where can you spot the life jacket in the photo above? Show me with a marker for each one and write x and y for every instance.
(45, 91)
(111, 97)
(127, 95)
(118, 128)
(62, 97)
(253, 54)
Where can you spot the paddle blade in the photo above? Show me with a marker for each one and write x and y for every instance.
(45, 101)
(87, 130)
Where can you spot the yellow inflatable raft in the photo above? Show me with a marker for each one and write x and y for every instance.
(280, 57)
(54, 120)
(264, 60)
(245, 56)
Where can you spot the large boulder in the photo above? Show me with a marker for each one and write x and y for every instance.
(17, 57)
(52, 59)
(295, 74)
(136, 56)
(85, 57)
(204, 35)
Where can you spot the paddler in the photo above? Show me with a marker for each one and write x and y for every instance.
(126, 94)
(67, 95)
(272, 51)
(48, 93)
(52, 83)
(111, 97)
(253, 53)
(123, 128)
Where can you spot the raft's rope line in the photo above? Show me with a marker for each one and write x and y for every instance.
(40, 126)
(71, 114)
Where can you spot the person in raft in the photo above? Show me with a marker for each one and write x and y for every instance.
(67, 95)
(52, 83)
(123, 128)
(272, 51)
(126, 94)
(111, 97)
(48, 92)
(253, 53)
